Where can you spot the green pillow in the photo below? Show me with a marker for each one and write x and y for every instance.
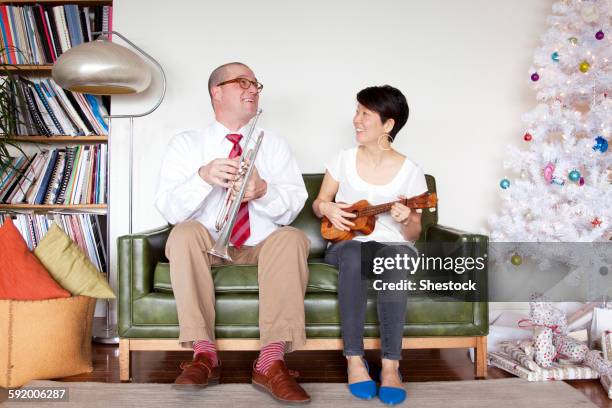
(70, 267)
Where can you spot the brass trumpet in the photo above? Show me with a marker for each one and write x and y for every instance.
(228, 212)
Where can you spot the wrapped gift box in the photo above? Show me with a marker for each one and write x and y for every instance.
(513, 351)
(556, 372)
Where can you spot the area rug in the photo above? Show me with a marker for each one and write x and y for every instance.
(502, 393)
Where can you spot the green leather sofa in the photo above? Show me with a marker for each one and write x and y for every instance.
(148, 319)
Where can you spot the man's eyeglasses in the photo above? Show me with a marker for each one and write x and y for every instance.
(244, 83)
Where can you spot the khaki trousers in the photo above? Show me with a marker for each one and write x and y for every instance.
(282, 267)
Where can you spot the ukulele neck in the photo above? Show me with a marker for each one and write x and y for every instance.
(378, 209)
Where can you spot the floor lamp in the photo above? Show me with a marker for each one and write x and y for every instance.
(102, 67)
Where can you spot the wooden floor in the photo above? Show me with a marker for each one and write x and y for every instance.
(314, 366)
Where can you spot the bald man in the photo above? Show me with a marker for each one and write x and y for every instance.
(198, 167)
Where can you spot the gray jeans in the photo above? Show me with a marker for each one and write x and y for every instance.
(354, 262)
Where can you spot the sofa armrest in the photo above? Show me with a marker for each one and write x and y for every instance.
(452, 242)
(138, 254)
(442, 233)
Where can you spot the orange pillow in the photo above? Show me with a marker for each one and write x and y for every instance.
(22, 276)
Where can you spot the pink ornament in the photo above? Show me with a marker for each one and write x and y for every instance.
(548, 172)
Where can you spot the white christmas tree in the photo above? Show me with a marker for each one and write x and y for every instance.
(558, 184)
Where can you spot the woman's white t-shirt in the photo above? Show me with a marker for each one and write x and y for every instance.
(409, 181)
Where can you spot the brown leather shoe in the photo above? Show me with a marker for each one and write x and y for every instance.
(197, 373)
(280, 383)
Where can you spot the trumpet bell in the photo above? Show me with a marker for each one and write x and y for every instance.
(221, 252)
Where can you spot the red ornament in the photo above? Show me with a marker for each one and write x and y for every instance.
(527, 137)
(596, 222)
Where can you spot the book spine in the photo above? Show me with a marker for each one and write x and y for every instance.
(64, 118)
(74, 25)
(84, 105)
(14, 34)
(40, 32)
(21, 175)
(13, 173)
(50, 32)
(103, 172)
(27, 178)
(78, 156)
(47, 107)
(47, 178)
(70, 153)
(33, 111)
(23, 35)
(42, 111)
(100, 239)
(56, 178)
(60, 19)
(82, 14)
(6, 55)
(32, 47)
(97, 112)
(46, 34)
(88, 237)
(73, 99)
(40, 172)
(80, 127)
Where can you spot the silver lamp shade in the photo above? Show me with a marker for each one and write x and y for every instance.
(101, 67)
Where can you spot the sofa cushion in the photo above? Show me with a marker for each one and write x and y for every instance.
(154, 316)
(243, 278)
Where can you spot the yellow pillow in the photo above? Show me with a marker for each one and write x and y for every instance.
(70, 267)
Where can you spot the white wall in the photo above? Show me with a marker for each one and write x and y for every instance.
(463, 66)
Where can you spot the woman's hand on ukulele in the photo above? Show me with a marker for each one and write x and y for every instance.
(399, 212)
(335, 214)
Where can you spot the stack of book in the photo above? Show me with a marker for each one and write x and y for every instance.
(44, 108)
(70, 175)
(88, 231)
(39, 34)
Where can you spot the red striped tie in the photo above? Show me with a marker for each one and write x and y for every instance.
(242, 228)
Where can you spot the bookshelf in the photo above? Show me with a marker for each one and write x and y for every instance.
(60, 139)
(27, 68)
(33, 142)
(55, 2)
(47, 207)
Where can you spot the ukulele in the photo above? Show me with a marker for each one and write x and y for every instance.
(365, 219)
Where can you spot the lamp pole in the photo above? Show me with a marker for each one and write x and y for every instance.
(108, 334)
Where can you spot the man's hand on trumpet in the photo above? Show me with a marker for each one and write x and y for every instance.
(256, 187)
(220, 172)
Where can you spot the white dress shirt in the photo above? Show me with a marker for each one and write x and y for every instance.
(183, 195)
(409, 181)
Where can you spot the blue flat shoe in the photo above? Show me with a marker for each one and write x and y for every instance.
(392, 395)
(364, 389)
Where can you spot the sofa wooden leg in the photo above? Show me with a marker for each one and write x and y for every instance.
(481, 357)
(124, 360)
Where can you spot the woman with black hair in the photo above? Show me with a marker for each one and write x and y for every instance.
(376, 172)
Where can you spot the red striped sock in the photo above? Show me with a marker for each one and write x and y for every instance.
(207, 348)
(269, 354)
